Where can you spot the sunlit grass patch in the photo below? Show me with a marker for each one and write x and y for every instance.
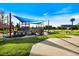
(18, 46)
(57, 36)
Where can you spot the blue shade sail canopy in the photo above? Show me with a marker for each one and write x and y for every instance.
(32, 21)
(35, 22)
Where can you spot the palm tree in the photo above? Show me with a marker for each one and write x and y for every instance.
(72, 20)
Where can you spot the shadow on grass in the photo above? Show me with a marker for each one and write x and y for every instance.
(34, 40)
(18, 50)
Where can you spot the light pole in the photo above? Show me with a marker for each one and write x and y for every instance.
(48, 21)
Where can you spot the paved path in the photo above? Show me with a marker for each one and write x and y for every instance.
(57, 47)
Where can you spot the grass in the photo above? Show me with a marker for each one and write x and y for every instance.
(18, 46)
(57, 36)
(22, 46)
(68, 32)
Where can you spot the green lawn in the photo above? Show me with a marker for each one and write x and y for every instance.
(18, 46)
(57, 36)
(22, 46)
(70, 32)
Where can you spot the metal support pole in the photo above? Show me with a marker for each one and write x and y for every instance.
(10, 25)
(25, 24)
(48, 26)
(7, 24)
(29, 25)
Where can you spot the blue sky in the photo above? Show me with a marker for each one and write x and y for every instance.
(57, 13)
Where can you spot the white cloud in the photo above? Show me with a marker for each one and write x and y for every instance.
(45, 14)
(63, 19)
(76, 16)
(64, 10)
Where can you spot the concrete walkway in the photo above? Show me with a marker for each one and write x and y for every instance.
(57, 47)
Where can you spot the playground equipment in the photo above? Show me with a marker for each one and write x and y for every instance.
(25, 30)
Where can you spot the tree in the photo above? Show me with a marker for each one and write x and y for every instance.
(53, 27)
(18, 26)
(72, 20)
(59, 27)
(1, 15)
(48, 27)
(77, 26)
